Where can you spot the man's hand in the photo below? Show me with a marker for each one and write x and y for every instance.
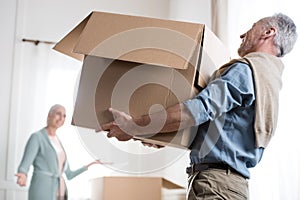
(121, 128)
(152, 145)
(124, 127)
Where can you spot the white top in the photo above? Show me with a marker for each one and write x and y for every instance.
(61, 156)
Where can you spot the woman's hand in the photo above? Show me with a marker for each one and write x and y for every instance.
(22, 179)
(97, 162)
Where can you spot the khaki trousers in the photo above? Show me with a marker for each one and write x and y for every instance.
(217, 184)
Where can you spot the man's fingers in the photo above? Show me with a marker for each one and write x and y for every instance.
(109, 135)
(98, 129)
(119, 116)
(114, 112)
(146, 144)
(107, 126)
(152, 145)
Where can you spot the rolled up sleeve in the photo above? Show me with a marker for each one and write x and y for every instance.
(233, 88)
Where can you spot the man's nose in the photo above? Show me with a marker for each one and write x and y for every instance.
(243, 35)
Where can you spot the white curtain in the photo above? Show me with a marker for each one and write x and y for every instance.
(277, 176)
(47, 78)
(219, 21)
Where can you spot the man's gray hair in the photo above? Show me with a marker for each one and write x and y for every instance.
(286, 33)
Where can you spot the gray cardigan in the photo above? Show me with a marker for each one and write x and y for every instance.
(40, 153)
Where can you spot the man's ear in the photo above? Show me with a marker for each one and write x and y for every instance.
(269, 33)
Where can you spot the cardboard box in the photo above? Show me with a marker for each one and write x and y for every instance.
(133, 188)
(139, 65)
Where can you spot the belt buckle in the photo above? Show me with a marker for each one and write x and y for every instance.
(190, 170)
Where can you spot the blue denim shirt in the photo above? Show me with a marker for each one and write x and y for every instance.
(224, 112)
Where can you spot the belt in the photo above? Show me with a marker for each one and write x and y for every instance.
(46, 173)
(205, 166)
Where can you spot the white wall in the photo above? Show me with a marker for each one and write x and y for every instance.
(7, 16)
(191, 11)
(52, 19)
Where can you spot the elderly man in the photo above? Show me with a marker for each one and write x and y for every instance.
(238, 109)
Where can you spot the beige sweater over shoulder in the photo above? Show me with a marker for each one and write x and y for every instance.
(267, 71)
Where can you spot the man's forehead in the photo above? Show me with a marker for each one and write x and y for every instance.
(263, 20)
(260, 22)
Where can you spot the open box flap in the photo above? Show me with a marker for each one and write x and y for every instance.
(135, 39)
(213, 55)
(66, 45)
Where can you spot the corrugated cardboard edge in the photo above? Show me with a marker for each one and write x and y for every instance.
(67, 44)
(214, 47)
(165, 183)
(170, 185)
(158, 139)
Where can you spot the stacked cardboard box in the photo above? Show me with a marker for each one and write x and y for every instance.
(133, 188)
